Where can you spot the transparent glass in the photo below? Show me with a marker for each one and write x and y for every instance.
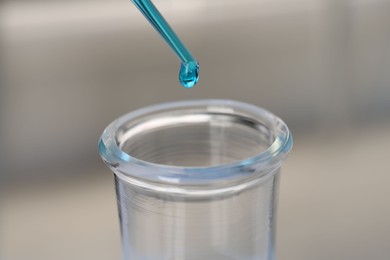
(197, 179)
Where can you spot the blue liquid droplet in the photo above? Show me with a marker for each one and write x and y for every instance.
(189, 74)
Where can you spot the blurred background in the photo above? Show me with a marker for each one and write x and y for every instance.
(69, 68)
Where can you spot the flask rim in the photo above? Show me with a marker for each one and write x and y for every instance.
(138, 171)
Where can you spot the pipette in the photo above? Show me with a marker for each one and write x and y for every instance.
(189, 69)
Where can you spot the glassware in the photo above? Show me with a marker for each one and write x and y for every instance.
(197, 179)
(189, 69)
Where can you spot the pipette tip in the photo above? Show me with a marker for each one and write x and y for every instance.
(189, 74)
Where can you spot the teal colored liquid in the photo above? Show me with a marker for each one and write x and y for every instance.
(189, 69)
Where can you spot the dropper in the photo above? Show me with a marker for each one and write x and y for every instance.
(189, 69)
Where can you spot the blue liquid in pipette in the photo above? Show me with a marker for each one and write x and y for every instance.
(189, 69)
(189, 74)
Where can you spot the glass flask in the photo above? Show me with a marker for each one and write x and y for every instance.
(197, 180)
